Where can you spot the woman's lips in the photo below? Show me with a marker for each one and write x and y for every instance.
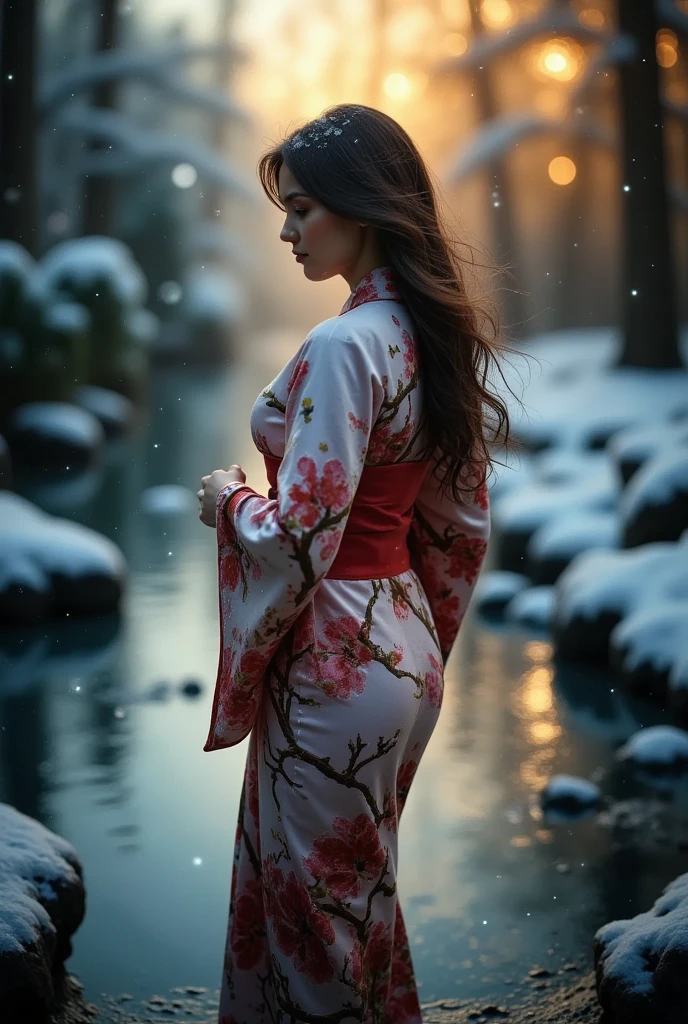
(300, 256)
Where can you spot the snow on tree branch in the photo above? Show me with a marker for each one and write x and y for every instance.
(554, 22)
(622, 49)
(115, 65)
(137, 149)
(497, 137)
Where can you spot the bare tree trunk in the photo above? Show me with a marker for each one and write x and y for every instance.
(99, 190)
(18, 135)
(500, 217)
(648, 297)
(212, 194)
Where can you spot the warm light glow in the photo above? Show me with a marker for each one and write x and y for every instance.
(562, 170)
(520, 841)
(455, 12)
(591, 18)
(549, 101)
(538, 650)
(411, 30)
(397, 86)
(536, 771)
(666, 48)
(455, 44)
(497, 14)
(273, 88)
(560, 58)
(544, 732)
(536, 692)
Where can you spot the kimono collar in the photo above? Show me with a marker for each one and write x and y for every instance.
(378, 284)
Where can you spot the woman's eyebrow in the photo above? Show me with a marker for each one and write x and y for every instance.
(293, 194)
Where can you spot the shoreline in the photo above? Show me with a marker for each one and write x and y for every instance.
(573, 1003)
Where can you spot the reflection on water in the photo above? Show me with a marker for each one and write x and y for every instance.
(489, 886)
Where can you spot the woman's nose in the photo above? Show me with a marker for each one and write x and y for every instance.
(287, 234)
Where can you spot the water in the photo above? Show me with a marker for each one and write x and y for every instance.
(153, 817)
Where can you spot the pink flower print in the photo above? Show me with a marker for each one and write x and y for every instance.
(394, 319)
(409, 355)
(252, 790)
(434, 686)
(273, 885)
(378, 950)
(358, 424)
(340, 674)
(261, 443)
(311, 497)
(446, 619)
(405, 777)
(297, 375)
(467, 554)
(400, 602)
(303, 932)
(329, 544)
(396, 655)
(229, 568)
(239, 706)
(482, 496)
(389, 810)
(355, 956)
(352, 852)
(248, 926)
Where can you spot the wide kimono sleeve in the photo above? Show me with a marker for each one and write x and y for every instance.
(448, 542)
(273, 553)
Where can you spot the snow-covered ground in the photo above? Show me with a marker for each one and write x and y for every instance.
(596, 507)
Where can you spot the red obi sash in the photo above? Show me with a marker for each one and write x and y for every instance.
(373, 545)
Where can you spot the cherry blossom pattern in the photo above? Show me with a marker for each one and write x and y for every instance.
(346, 857)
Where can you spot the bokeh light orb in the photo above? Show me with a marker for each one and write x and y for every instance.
(184, 175)
(562, 170)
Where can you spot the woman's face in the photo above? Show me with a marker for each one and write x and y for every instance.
(330, 244)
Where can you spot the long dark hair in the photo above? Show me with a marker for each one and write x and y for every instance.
(366, 168)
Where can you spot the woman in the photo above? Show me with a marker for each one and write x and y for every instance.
(341, 593)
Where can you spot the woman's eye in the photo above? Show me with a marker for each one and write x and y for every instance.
(299, 213)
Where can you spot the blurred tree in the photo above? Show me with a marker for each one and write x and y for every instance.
(501, 199)
(99, 198)
(648, 298)
(648, 309)
(213, 194)
(18, 143)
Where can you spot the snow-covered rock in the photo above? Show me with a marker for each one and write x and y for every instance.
(83, 266)
(54, 435)
(630, 449)
(600, 588)
(168, 499)
(645, 645)
(557, 542)
(654, 505)
(495, 589)
(640, 962)
(569, 793)
(579, 399)
(52, 566)
(518, 515)
(42, 903)
(114, 412)
(657, 747)
(532, 608)
(212, 296)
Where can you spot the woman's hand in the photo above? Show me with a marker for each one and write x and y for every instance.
(210, 488)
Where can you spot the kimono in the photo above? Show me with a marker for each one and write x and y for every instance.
(340, 596)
